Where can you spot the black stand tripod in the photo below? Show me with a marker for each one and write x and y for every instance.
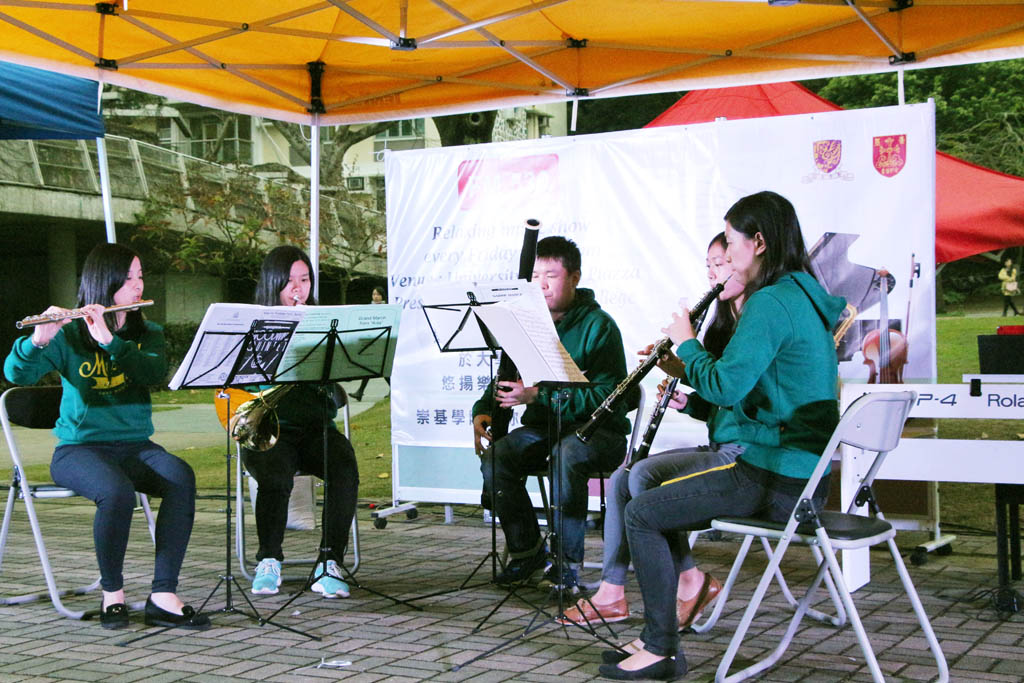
(227, 579)
(555, 475)
(331, 341)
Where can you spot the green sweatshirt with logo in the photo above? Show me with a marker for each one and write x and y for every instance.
(106, 392)
(777, 380)
(593, 340)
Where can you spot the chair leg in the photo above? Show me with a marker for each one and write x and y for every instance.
(722, 674)
(730, 580)
(150, 522)
(851, 610)
(922, 616)
(44, 561)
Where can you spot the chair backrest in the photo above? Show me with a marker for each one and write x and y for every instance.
(873, 422)
(32, 407)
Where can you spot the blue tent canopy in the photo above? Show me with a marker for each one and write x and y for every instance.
(36, 104)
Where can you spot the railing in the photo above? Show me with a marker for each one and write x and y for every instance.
(136, 168)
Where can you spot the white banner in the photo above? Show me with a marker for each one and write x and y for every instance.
(642, 206)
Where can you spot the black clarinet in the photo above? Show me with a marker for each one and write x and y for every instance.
(644, 448)
(626, 386)
(507, 372)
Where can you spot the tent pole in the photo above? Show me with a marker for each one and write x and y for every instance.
(108, 209)
(314, 204)
(901, 94)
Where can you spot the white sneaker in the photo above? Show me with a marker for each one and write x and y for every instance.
(330, 584)
(268, 577)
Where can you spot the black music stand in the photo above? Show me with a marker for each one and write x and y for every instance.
(331, 341)
(461, 337)
(222, 357)
(240, 353)
(560, 394)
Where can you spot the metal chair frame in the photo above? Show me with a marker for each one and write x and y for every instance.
(873, 422)
(240, 545)
(21, 489)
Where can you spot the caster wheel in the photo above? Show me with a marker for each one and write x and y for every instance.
(412, 514)
(380, 523)
(918, 557)
(944, 550)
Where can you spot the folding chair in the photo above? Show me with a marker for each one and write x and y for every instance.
(39, 408)
(872, 423)
(340, 399)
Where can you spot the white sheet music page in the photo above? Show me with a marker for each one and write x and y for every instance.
(525, 331)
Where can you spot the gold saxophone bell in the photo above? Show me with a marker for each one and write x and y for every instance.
(255, 425)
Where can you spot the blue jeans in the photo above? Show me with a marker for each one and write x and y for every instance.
(647, 474)
(109, 473)
(524, 451)
(274, 470)
(660, 553)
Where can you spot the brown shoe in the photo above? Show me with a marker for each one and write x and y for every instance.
(689, 611)
(586, 612)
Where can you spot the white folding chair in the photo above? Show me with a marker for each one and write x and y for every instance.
(39, 408)
(872, 423)
(341, 397)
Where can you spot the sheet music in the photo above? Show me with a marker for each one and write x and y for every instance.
(450, 314)
(290, 344)
(523, 327)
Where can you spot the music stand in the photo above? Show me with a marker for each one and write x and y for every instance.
(331, 340)
(241, 353)
(560, 394)
(462, 338)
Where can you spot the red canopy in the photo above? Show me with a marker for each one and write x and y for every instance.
(976, 209)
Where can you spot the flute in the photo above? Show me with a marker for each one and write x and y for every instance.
(44, 318)
(634, 378)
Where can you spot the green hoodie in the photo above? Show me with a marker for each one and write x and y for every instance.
(593, 340)
(106, 392)
(778, 376)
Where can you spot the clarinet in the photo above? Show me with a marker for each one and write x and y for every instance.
(507, 372)
(634, 378)
(644, 448)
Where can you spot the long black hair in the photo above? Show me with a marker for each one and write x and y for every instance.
(774, 217)
(723, 324)
(104, 272)
(274, 274)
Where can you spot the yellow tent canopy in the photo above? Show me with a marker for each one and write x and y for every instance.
(353, 61)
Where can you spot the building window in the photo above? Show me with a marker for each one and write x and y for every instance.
(400, 130)
(355, 184)
(233, 144)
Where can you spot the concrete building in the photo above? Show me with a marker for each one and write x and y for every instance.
(51, 213)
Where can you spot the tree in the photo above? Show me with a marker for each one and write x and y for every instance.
(977, 107)
(621, 113)
(332, 168)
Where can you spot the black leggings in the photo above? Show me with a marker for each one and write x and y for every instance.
(109, 474)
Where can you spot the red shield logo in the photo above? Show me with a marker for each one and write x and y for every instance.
(828, 154)
(889, 154)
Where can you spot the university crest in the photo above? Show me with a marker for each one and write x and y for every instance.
(828, 154)
(889, 154)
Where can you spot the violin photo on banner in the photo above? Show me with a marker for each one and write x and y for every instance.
(886, 353)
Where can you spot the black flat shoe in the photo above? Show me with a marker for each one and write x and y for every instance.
(667, 669)
(613, 656)
(188, 619)
(115, 616)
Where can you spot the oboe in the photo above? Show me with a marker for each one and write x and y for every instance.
(626, 386)
(44, 318)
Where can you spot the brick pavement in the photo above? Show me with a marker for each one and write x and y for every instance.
(379, 640)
